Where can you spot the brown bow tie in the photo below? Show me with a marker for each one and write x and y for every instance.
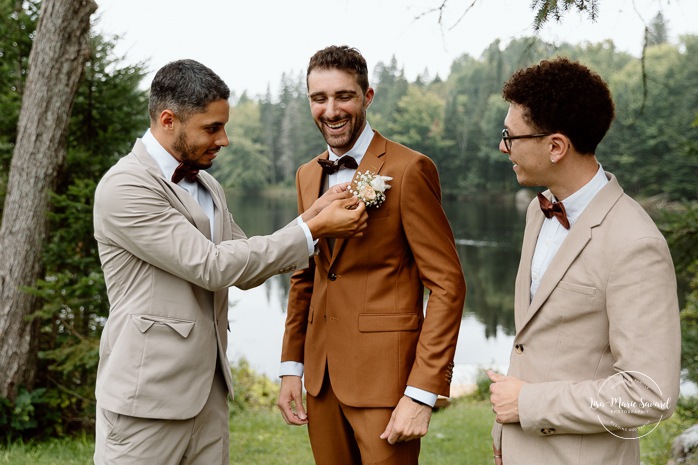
(331, 167)
(184, 171)
(556, 209)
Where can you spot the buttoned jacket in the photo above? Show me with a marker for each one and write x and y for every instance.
(359, 311)
(601, 333)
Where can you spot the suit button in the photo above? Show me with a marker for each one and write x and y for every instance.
(332, 276)
(519, 348)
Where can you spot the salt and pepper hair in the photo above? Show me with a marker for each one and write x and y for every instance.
(343, 58)
(564, 96)
(185, 87)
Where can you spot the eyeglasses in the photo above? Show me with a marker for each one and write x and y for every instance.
(507, 138)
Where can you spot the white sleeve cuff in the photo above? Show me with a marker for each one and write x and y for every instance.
(308, 236)
(291, 369)
(421, 395)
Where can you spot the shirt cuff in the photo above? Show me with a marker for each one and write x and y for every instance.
(425, 397)
(308, 236)
(291, 369)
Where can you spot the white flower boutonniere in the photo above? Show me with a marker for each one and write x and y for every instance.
(370, 188)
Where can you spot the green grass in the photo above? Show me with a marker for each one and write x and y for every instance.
(459, 434)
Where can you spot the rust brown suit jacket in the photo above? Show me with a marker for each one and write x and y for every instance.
(360, 310)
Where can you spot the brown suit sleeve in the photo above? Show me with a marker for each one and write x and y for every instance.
(431, 241)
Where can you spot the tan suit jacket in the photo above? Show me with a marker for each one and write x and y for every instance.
(167, 282)
(359, 310)
(606, 305)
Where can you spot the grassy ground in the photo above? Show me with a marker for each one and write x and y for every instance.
(459, 435)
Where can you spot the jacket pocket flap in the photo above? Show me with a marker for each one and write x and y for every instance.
(144, 323)
(372, 322)
(576, 288)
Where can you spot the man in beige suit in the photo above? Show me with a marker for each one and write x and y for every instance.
(169, 250)
(374, 359)
(597, 346)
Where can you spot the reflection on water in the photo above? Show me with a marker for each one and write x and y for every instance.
(488, 236)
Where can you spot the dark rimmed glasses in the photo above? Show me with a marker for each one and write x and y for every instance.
(507, 138)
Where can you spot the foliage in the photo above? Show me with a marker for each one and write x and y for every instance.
(482, 386)
(108, 113)
(681, 229)
(555, 9)
(253, 391)
(17, 25)
(457, 120)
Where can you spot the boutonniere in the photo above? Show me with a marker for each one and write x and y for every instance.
(370, 188)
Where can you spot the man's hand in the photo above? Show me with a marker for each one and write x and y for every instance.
(409, 420)
(504, 396)
(336, 192)
(291, 396)
(341, 219)
(497, 456)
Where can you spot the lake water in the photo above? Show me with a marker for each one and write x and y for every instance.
(488, 234)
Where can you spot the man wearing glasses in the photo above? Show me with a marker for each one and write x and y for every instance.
(597, 347)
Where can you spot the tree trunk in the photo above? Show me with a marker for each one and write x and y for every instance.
(56, 62)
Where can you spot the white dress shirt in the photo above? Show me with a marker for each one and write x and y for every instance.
(552, 233)
(357, 152)
(168, 164)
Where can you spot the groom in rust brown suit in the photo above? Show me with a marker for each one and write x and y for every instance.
(374, 356)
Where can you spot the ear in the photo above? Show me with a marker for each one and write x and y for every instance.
(167, 120)
(560, 146)
(368, 97)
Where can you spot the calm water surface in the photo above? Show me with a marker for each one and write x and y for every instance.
(488, 236)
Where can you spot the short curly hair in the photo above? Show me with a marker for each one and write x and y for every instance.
(343, 58)
(563, 96)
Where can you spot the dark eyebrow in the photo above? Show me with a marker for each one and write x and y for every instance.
(339, 92)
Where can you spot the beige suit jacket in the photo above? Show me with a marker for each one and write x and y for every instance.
(359, 310)
(167, 282)
(606, 307)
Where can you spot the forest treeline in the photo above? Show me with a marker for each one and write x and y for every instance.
(454, 119)
(457, 120)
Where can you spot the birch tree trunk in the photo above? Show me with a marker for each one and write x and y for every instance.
(57, 59)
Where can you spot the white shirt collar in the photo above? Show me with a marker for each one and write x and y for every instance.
(360, 146)
(167, 163)
(577, 202)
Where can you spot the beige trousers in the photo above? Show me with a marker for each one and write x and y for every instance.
(202, 440)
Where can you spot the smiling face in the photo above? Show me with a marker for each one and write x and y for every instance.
(338, 107)
(201, 136)
(531, 157)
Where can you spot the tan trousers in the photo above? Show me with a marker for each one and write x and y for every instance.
(344, 435)
(202, 440)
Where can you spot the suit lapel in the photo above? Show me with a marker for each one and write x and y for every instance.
(371, 162)
(311, 188)
(207, 183)
(522, 296)
(577, 239)
(190, 207)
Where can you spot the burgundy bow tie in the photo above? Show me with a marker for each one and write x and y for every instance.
(331, 167)
(184, 171)
(556, 209)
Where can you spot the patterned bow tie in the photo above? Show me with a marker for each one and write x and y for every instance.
(556, 209)
(331, 167)
(184, 171)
